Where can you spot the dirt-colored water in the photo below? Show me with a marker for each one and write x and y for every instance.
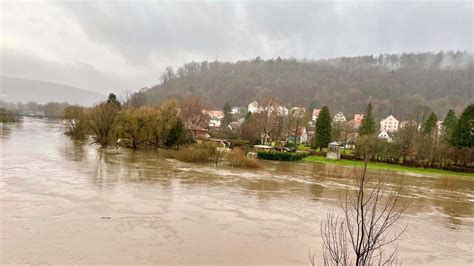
(68, 202)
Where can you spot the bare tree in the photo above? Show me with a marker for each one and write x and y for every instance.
(362, 235)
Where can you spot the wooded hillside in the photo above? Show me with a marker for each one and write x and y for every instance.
(406, 85)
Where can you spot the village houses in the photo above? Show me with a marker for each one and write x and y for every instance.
(357, 121)
(339, 118)
(300, 138)
(215, 117)
(389, 124)
(315, 114)
(253, 107)
(385, 135)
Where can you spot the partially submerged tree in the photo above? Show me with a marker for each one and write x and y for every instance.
(132, 125)
(6, 116)
(101, 122)
(75, 121)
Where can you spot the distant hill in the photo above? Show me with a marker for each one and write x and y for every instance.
(407, 85)
(25, 90)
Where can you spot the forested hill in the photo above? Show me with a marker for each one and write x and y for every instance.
(406, 85)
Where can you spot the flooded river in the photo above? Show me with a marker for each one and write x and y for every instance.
(69, 202)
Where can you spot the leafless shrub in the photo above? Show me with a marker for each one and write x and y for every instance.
(362, 235)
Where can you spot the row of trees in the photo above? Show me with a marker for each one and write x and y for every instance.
(109, 123)
(427, 145)
(51, 109)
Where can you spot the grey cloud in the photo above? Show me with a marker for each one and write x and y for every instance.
(301, 29)
(151, 35)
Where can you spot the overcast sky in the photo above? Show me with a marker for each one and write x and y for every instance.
(116, 45)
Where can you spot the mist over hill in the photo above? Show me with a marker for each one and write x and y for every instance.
(25, 90)
(407, 85)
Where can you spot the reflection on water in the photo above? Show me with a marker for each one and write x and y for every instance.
(56, 191)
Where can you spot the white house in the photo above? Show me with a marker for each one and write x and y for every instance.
(439, 126)
(253, 107)
(384, 135)
(301, 136)
(215, 117)
(316, 114)
(282, 110)
(389, 124)
(298, 111)
(304, 136)
(235, 110)
(339, 118)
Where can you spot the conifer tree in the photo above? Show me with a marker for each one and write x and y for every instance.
(430, 124)
(463, 134)
(367, 126)
(322, 135)
(449, 124)
(227, 115)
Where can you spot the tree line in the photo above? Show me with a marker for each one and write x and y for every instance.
(50, 109)
(113, 123)
(450, 145)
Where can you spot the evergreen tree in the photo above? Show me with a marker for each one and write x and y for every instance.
(176, 133)
(449, 124)
(430, 124)
(247, 117)
(322, 135)
(463, 134)
(227, 115)
(113, 99)
(367, 126)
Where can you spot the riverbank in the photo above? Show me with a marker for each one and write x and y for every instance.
(387, 167)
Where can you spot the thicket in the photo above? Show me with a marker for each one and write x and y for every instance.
(110, 124)
(237, 158)
(281, 156)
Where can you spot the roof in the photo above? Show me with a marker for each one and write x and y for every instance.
(358, 118)
(388, 117)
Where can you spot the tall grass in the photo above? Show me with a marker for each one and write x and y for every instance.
(197, 153)
(237, 158)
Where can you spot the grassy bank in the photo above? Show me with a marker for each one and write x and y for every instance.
(387, 167)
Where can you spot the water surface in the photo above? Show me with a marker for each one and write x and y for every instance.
(68, 202)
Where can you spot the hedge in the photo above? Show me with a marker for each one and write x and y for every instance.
(281, 156)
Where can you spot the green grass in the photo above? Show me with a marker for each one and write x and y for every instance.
(387, 167)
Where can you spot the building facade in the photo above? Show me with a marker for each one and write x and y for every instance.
(389, 124)
(339, 118)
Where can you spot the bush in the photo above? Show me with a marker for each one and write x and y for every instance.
(281, 156)
(6, 116)
(198, 153)
(237, 158)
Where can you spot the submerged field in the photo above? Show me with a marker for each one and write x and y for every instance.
(386, 167)
(68, 202)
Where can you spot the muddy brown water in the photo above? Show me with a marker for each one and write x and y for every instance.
(69, 202)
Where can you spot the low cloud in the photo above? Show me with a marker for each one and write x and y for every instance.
(113, 45)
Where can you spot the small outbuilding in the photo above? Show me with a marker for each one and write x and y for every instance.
(334, 151)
